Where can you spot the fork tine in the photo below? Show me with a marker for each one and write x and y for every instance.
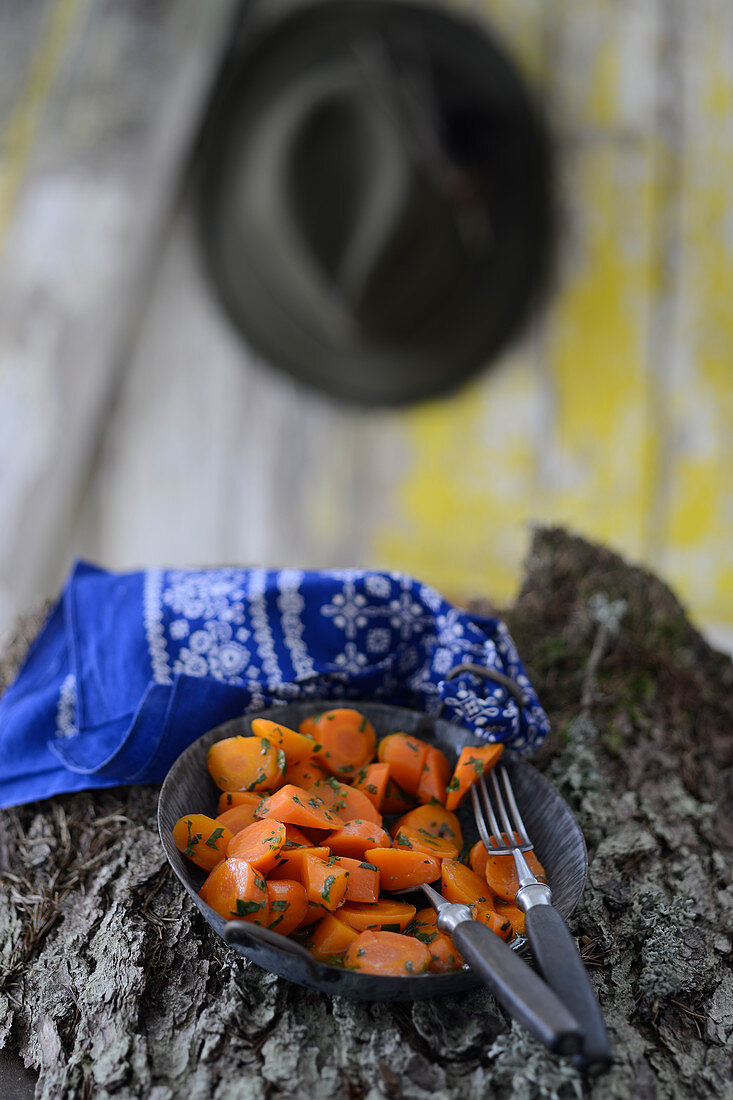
(519, 825)
(506, 820)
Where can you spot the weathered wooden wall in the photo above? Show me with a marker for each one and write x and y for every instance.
(613, 414)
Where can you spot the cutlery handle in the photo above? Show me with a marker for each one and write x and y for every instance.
(558, 959)
(518, 988)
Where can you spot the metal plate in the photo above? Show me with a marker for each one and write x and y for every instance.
(188, 788)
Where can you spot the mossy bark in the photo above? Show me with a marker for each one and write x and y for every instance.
(113, 985)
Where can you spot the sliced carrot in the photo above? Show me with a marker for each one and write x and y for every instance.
(434, 777)
(395, 800)
(296, 747)
(497, 922)
(434, 819)
(363, 878)
(291, 862)
(387, 953)
(420, 840)
(406, 758)
(501, 873)
(294, 806)
(345, 801)
(330, 939)
(239, 817)
(512, 913)
(353, 838)
(288, 905)
(387, 915)
(347, 738)
(313, 914)
(295, 837)
(203, 840)
(260, 844)
(236, 891)
(460, 883)
(305, 774)
(477, 858)
(372, 780)
(246, 764)
(325, 884)
(399, 869)
(472, 764)
(229, 799)
(444, 955)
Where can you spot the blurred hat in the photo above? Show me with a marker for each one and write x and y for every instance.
(375, 199)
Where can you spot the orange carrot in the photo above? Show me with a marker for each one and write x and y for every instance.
(387, 915)
(347, 738)
(372, 780)
(501, 874)
(229, 799)
(387, 953)
(330, 939)
(406, 758)
(498, 923)
(353, 838)
(239, 817)
(434, 777)
(512, 913)
(236, 891)
(305, 774)
(260, 844)
(246, 764)
(313, 914)
(420, 840)
(460, 883)
(345, 801)
(291, 862)
(444, 955)
(325, 884)
(295, 806)
(395, 800)
(434, 819)
(363, 878)
(202, 839)
(399, 869)
(288, 905)
(295, 838)
(296, 747)
(472, 764)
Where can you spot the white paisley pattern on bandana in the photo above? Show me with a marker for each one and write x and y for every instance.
(339, 634)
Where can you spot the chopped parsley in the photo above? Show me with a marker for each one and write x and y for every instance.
(281, 904)
(408, 966)
(362, 727)
(246, 908)
(193, 838)
(454, 784)
(326, 890)
(211, 842)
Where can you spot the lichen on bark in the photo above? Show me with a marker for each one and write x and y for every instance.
(113, 985)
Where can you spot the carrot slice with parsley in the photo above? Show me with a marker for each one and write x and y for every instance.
(406, 758)
(325, 884)
(363, 878)
(295, 838)
(387, 915)
(346, 802)
(399, 869)
(497, 922)
(305, 774)
(512, 913)
(435, 820)
(420, 840)
(434, 777)
(260, 844)
(291, 862)
(501, 874)
(203, 840)
(330, 939)
(229, 799)
(246, 764)
(460, 883)
(236, 891)
(472, 764)
(239, 817)
(288, 905)
(444, 955)
(348, 741)
(353, 838)
(294, 806)
(296, 747)
(372, 780)
(387, 953)
(395, 800)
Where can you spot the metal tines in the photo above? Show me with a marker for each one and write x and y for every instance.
(500, 839)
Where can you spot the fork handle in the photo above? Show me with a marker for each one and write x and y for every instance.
(557, 957)
(518, 988)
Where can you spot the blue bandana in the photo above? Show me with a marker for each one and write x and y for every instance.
(131, 668)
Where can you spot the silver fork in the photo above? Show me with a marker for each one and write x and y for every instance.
(552, 945)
